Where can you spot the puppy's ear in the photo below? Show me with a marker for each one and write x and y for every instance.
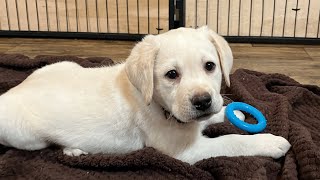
(140, 64)
(224, 51)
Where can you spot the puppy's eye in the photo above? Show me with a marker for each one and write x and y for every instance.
(210, 66)
(173, 74)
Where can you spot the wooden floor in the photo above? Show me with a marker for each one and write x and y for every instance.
(301, 62)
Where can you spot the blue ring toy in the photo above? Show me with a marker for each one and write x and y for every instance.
(251, 128)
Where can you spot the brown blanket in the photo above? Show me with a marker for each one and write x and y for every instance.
(292, 111)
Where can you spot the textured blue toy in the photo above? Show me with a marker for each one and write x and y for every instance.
(251, 128)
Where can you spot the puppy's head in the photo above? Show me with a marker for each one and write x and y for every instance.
(181, 70)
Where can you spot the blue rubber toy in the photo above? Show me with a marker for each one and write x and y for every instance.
(251, 128)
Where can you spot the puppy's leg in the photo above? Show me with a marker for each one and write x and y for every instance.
(15, 129)
(73, 152)
(267, 145)
(221, 117)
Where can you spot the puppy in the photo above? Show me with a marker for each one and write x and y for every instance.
(163, 96)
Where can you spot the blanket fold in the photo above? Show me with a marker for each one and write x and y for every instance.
(291, 109)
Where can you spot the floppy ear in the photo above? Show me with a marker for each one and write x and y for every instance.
(224, 52)
(139, 66)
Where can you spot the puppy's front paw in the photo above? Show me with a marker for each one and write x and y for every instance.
(73, 152)
(272, 146)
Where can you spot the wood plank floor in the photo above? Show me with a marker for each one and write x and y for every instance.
(301, 62)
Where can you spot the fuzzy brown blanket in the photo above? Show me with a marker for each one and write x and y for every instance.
(292, 111)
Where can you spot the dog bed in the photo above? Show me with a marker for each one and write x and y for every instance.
(292, 111)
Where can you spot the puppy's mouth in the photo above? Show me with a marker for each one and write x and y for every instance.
(202, 117)
(168, 115)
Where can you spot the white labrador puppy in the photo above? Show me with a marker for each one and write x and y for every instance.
(160, 97)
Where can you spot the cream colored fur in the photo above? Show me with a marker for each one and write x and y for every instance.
(119, 109)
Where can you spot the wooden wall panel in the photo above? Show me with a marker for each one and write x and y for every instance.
(82, 14)
(313, 20)
(4, 24)
(223, 17)
(144, 27)
(190, 14)
(133, 16)
(12, 13)
(63, 14)
(244, 17)
(301, 20)
(279, 16)
(290, 18)
(227, 17)
(256, 17)
(164, 15)
(201, 14)
(153, 13)
(113, 16)
(267, 25)
(234, 18)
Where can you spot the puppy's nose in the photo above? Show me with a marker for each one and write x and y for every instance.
(201, 102)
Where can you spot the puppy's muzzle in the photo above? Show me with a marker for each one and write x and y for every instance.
(201, 102)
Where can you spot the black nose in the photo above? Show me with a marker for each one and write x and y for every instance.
(201, 102)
